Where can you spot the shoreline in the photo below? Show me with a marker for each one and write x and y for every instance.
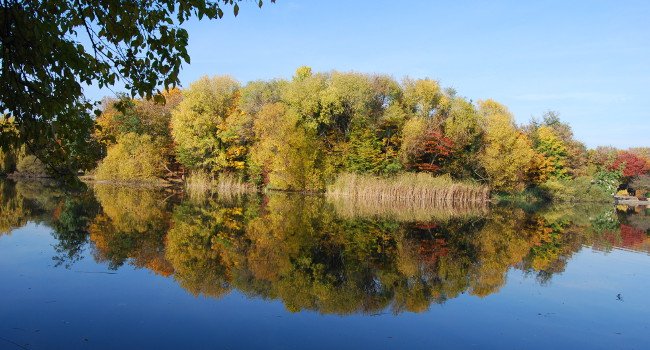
(167, 184)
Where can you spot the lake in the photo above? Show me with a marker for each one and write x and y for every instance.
(116, 267)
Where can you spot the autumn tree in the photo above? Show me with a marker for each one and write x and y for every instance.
(134, 157)
(463, 127)
(630, 164)
(8, 153)
(576, 156)
(507, 152)
(435, 151)
(423, 97)
(287, 152)
(641, 152)
(554, 151)
(209, 130)
(414, 136)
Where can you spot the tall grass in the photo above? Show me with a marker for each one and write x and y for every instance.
(201, 184)
(407, 187)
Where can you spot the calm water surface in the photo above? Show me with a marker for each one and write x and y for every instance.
(133, 268)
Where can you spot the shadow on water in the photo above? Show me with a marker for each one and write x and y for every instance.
(315, 254)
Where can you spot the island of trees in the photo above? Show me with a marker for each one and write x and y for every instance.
(345, 132)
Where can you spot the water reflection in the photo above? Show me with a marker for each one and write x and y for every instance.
(313, 254)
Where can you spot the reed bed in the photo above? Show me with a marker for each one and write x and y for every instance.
(410, 196)
(201, 184)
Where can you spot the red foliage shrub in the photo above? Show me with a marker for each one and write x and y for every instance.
(631, 164)
(436, 149)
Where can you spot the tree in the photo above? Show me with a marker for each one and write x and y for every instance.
(133, 157)
(118, 117)
(602, 158)
(8, 154)
(45, 62)
(414, 136)
(630, 164)
(463, 127)
(507, 152)
(642, 152)
(209, 130)
(554, 150)
(576, 157)
(423, 97)
(139, 116)
(367, 154)
(435, 151)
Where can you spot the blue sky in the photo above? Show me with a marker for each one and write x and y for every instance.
(588, 60)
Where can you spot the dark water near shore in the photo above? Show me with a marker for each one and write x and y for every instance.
(132, 268)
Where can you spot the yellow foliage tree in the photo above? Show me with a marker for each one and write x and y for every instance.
(133, 157)
(209, 130)
(507, 152)
(554, 150)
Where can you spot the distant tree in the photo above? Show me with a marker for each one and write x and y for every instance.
(602, 157)
(118, 117)
(643, 152)
(367, 153)
(8, 153)
(576, 157)
(256, 94)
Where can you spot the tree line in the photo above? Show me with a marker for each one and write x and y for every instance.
(301, 134)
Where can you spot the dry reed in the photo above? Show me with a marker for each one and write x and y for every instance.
(410, 196)
(201, 184)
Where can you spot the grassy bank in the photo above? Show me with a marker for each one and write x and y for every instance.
(579, 190)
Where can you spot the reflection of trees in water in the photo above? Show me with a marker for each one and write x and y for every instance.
(45, 202)
(14, 211)
(131, 225)
(301, 250)
(70, 226)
